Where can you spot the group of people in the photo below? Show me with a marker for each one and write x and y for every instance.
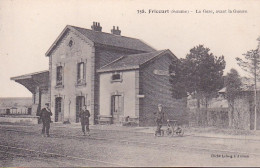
(45, 116)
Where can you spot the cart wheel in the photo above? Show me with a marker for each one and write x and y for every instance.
(169, 132)
(162, 133)
(180, 131)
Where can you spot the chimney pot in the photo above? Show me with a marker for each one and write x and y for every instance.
(116, 30)
(96, 26)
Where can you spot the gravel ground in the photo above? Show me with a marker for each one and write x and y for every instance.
(123, 148)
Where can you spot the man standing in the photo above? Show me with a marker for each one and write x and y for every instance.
(159, 117)
(46, 119)
(84, 118)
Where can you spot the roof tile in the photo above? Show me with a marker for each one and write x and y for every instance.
(114, 40)
(132, 61)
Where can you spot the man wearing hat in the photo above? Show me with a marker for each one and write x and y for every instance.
(46, 119)
(84, 118)
(159, 117)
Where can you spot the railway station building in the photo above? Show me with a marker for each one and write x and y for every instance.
(120, 79)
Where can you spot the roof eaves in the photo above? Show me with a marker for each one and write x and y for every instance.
(21, 77)
(157, 55)
(56, 41)
(118, 69)
(27, 76)
(53, 46)
(160, 54)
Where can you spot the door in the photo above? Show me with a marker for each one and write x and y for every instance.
(116, 107)
(58, 114)
(80, 102)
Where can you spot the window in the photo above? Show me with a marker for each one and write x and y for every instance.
(116, 77)
(81, 73)
(59, 76)
(71, 43)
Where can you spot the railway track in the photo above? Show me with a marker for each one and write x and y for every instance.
(25, 152)
(141, 142)
(4, 149)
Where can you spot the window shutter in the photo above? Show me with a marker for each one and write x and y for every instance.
(57, 75)
(77, 109)
(86, 100)
(78, 71)
(63, 73)
(112, 105)
(122, 105)
(83, 102)
(84, 70)
(62, 108)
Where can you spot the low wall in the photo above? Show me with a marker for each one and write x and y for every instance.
(19, 119)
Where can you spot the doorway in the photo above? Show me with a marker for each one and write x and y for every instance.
(58, 103)
(80, 102)
(116, 108)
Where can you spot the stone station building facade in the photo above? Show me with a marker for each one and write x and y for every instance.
(117, 77)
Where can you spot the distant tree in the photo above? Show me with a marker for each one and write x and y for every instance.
(233, 87)
(251, 64)
(200, 74)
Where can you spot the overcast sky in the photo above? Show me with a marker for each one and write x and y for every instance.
(29, 27)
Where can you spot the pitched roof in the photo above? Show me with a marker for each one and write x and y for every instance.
(107, 39)
(133, 61)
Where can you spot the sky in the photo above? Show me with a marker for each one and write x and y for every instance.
(29, 27)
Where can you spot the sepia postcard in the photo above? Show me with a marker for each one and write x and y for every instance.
(148, 83)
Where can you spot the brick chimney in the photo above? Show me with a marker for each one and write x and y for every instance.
(96, 26)
(116, 31)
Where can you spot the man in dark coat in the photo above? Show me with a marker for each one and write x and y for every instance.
(159, 117)
(46, 119)
(84, 118)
